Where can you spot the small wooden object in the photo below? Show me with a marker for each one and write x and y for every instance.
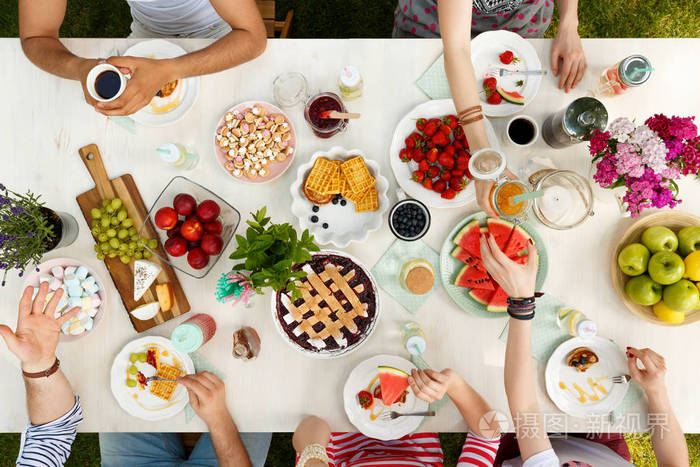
(338, 115)
(123, 274)
(674, 220)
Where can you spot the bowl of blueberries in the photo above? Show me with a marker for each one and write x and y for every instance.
(409, 220)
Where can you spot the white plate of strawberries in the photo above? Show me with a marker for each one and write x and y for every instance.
(429, 155)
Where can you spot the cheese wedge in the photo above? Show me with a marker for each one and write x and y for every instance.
(146, 312)
(145, 272)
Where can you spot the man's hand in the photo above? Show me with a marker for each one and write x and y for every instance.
(653, 377)
(430, 385)
(147, 77)
(34, 342)
(207, 398)
(516, 280)
(567, 48)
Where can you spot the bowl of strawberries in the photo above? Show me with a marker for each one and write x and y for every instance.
(430, 154)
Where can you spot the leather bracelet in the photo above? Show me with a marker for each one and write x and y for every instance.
(469, 110)
(464, 121)
(46, 373)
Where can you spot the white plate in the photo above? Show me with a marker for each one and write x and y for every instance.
(185, 93)
(45, 268)
(611, 363)
(384, 430)
(344, 224)
(276, 168)
(346, 350)
(485, 49)
(148, 406)
(404, 170)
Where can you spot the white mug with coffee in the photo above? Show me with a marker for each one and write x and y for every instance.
(106, 82)
(521, 131)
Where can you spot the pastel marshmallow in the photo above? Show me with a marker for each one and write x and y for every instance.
(69, 271)
(71, 281)
(65, 327)
(87, 323)
(86, 303)
(75, 291)
(62, 303)
(81, 272)
(92, 312)
(74, 302)
(95, 299)
(81, 315)
(87, 283)
(55, 284)
(92, 289)
(57, 272)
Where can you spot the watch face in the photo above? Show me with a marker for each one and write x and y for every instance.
(337, 308)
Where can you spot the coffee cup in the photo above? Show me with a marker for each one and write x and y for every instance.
(521, 131)
(106, 82)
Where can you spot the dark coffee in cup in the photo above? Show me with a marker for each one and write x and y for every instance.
(107, 84)
(521, 131)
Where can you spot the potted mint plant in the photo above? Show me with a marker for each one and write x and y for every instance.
(28, 230)
(268, 252)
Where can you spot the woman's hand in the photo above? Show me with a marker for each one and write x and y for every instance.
(483, 194)
(567, 48)
(653, 377)
(518, 281)
(429, 385)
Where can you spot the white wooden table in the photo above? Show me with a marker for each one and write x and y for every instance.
(45, 120)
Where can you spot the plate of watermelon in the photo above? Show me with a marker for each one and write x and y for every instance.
(463, 274)
(376, 386)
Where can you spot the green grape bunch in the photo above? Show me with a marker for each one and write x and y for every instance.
(116, 235)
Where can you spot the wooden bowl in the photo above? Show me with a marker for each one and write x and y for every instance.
(674, 220)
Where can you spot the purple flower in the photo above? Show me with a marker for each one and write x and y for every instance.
(6, 217)
(599, 141)
(4, 201)
(2, 187)
(21, 273)
(17, 210)
(606, 173)
(30, 234)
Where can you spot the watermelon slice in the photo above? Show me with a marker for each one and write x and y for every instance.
(473, 278)
(464, 256)
(517, 243)
(498, 302)
(468, 238)
(393, 383)
(481, 295)
(500, 230)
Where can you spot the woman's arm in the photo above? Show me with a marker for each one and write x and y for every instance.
(519, 282)
(455, 18)
(567, 47)
(430, 385)
(666, 435)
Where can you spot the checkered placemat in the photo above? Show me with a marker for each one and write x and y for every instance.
(434, 81)
(386, 271)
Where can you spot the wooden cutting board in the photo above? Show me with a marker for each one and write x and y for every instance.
(123, 274)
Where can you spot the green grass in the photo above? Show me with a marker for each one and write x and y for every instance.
(373, 18)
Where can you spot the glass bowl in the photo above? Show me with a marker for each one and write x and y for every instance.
(567, 199)
(229, 217)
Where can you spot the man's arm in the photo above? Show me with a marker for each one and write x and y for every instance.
(667, 438)
(246, 41)
(208, 399)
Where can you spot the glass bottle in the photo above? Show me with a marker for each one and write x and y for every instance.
(176, 155)
(628, 73)
(350, 83)
(576, 323)
(413, 338)
(246, 343)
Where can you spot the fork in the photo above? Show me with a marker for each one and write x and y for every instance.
(392, 415)
(506, 72)
(620, 379)
(158, 378)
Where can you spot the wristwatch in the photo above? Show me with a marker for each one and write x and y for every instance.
(46, 373)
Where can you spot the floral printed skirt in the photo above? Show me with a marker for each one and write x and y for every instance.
(419, 18)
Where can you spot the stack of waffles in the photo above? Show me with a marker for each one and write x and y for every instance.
(350, 179)
(165, 389)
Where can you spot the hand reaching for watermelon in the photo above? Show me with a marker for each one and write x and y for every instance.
(518, 281)
(483, 194)
(430, 385)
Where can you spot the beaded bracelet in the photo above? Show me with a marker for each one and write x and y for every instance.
(522, 308)
(315, 452)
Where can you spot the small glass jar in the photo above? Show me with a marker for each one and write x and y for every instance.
(350, 83)
(413, 338)
(290, 89)
(576, 323)
(628, 73)
(176, 155)
(322, 102)
(246, 344)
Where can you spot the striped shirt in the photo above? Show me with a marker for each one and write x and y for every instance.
(48, 445)
(415, 450)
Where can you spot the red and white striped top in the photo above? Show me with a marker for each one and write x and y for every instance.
(415, 450)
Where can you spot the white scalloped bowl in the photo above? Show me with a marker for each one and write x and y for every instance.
(344, 224)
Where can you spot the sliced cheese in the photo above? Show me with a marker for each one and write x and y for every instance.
(146, 312)
(145, 272)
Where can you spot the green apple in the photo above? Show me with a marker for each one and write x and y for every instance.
(643, 291)
(659, 238)
(633, 259)
(682, 296)
(689, 239)
(666, 267)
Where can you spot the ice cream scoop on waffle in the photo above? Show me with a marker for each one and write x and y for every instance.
(165, 389)
(350, 179)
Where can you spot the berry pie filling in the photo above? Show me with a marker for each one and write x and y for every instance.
(337, 307)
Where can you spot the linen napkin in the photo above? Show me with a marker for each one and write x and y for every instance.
(200, 364)
(434, 81)
(387, 270)
(547, 336)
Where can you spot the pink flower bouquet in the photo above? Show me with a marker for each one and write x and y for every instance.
(646, 159)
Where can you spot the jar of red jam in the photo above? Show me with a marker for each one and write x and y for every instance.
(322, 102)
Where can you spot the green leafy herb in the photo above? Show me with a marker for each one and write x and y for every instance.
(519, 83)
(268, 252)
